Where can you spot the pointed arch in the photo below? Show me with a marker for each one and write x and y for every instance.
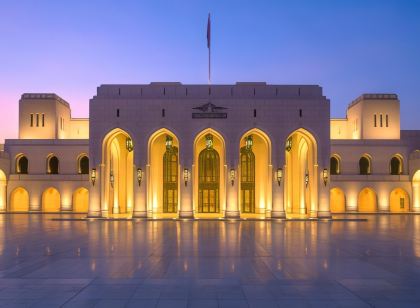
(53, 164)
(19, 200)
(335, 164)
(22, 164)
(209, 187)
(301, 170)
(399, 201)
(396, 164)
(337, 200)
(365, 164)
(51, 200)
(164, 172)
(83, 164)
(81, 200)
(254, 172)
(367, 200)
(117, 179)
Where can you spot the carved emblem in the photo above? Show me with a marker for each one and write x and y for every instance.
(209, 111)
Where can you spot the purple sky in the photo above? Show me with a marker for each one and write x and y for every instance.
(71, 47)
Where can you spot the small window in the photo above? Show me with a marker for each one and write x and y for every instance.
(386, 120)
(334, 165)
(37, 119)
(32, 119)
(43, 119)
(22, 165)
(163, 112)
(84, 165)
(300, 113)
(395, 166)
(364, 166)
(118, 113)
(380, 120)
(255, 113)
(52, 165)
(374, 120)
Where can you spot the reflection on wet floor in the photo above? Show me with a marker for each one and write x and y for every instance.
(209, 263)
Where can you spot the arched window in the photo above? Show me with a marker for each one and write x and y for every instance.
(83, 165)
(52, 165)
(22, 165)
(395, 165)
(334, 165)
(364, 165)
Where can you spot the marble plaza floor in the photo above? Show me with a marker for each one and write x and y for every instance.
(46, 263)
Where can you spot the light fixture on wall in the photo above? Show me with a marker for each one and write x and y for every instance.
(129, 144)
(306, 178)
(186, 176)
(93, 176)
(111, 179)
(325, 176)
(232, 176)
(279, 175)
(168, 142)
(289, 144)
(139, 175)
(249, 142)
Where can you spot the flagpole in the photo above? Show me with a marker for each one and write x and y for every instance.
(209, 45)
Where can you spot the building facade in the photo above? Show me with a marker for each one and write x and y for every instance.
(252, 150)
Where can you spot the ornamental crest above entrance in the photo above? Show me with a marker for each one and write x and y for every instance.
(209, 111)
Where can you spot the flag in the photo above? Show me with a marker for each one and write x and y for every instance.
(208, 32)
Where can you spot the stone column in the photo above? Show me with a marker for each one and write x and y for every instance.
(186, 191)
(95, 193)
(232, 200)
(278, 196)
(35, 201)
(416, 197)
(140, 210)
(323, 195)
(3, 196)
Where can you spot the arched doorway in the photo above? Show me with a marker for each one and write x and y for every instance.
(254, 172)
(3, 185)
(416, 191)
(367, 200)
(301, 182)
(51, 200)
(19, 200)
(117, 157)
(209, 173)
(81, 200)
(399, 201)
(163, 161)
(337, 200)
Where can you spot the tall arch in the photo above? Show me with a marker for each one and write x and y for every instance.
(81, 200)
(399, 201)
(416, 191)
(337, 200)
(19, 200)
(367, 200)
(22, 164)
(164, 172)
(209, 173)
(51, 200)
(117, 178)
(254, 172)
(301, 182)
(3, 186)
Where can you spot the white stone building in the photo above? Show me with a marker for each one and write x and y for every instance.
(245, 150)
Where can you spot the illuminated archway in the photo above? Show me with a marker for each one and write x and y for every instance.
(19, 200)
(209, 171)
(337, 200)
(254, 172)
(51, 200)
(81, 200)
(22, 164)
(301, 182)
(335, 164)
(53, 164)
(163, 163)
(83, 164)
(367, 201)
(416, 191)
(399, 201)
(117, 158)
(3, 185)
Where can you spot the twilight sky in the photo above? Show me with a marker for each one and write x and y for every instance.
(71, 47)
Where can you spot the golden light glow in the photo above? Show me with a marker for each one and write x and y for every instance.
(81, 200)
(51, 200)
(19, 200)
(337, 201)
(399, 201)
(367, 201)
